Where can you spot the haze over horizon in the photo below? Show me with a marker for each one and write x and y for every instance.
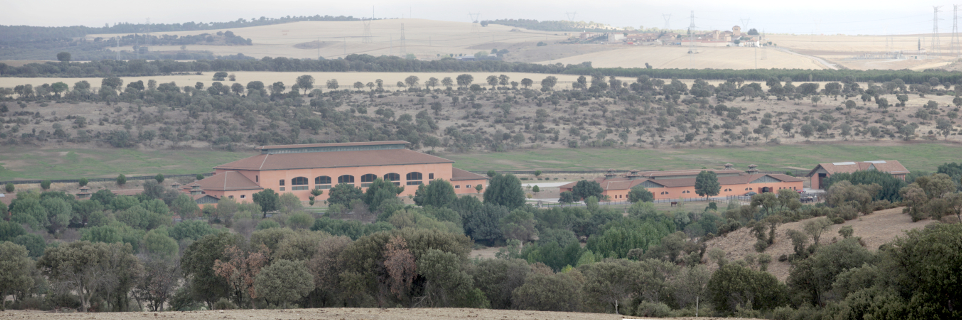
(817, 17)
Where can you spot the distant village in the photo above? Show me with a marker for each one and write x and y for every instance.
(715, 38)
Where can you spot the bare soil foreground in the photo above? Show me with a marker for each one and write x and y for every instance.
(342, 313)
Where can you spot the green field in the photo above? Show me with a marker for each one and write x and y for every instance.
(914, 156)
(26, 162)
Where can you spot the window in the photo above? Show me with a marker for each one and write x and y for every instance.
(299, 181)
(282, 182)
(257, 179)
(322, 186)
(282, 188)
(392, 177)
(322, 180)
(457, 186)
(368, 177)
(431, 176)
(230, 197)
(345, 179)
(243, 196)
(413, 178)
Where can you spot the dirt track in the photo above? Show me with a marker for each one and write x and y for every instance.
(340, 314)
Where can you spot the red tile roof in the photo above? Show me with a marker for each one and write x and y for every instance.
(624, 183)
(887, 166)
(459, 175)
(320, 145)
(338, 159)
(226, 181)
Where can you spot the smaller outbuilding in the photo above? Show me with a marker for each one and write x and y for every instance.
(825, 170)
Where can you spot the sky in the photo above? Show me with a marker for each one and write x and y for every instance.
(798, 17)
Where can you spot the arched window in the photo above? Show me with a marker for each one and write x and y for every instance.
(322, 182)
(367, 179)
(345, 179)
(413, 178)
(299, 183)
(393, 177)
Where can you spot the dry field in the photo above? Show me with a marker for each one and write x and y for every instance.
(331, 313)
(875, 229)
(670, 57)
(345, 79)
(424, 38)
(842, 49)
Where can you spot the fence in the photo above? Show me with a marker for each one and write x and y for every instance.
(129, 178)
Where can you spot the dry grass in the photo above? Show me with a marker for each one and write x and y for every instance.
(875, 229)
(423, 38)
(666, 57)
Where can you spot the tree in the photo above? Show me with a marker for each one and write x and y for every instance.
(548, 83)
(287, 203)
(305, 82)
(198, 266)
(268, 200)
(16, 268)
(505, 190)
(567, 197)
(446, 282)
(706, 184)
(159, 177)
(240, 269)
(63, 56)
(432, 82)
(438, 193)
(447, 82)
(121, 180)
(343, 194)
(584, 189)
(492, 81)
(380, 191)
(549, 292)
(332, 84)
(526, 83)
(640, 193)
(220, 76)
(58, 87)
(45, 185)
(465, 80)
(483, 225)
(9, 188)
(90, 268)
(733, 286)
(412, 81)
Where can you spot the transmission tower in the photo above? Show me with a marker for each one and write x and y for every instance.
(764, 49)
(745, 22)
(368, 37)
(147, 43)
(571, 16)
(691, 38)
(955, 31)
(474, 21)
(403, 42)
(935, 30)
(667, 18)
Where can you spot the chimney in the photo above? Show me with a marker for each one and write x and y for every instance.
(195, 190)
(752, 169)
(729, 166)
(610, 174)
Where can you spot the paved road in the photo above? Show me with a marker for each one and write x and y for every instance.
(819, 60)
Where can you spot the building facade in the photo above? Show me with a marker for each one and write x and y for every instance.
(300, 168)
(825, 170)
(666, 185)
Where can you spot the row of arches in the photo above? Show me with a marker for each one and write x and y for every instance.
(324, 182)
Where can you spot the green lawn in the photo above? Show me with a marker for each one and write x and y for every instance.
(25, 162)
(918, 156)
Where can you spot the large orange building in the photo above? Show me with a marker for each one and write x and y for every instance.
(666, 185)
(300, 168)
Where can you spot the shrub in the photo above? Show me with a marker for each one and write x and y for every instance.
(267, 224)
(224, 304)
(9, 188)
(159, 177)
(653, 309)
(45, 184)
(121, 180)
(83, 182)
(761, 245)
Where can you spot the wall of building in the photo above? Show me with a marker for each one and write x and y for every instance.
(467, 186)
(271, 179)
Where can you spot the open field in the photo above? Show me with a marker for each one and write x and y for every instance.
(665, 57)
(424, 38)
(24, 162)
(915, 156)
(331, 313)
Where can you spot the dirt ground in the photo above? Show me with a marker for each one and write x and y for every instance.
(875, 229)
(664, 57)
(339, 314)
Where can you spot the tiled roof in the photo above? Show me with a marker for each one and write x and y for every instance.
(226, 181)
(459, 175)
(320, 145)
(332, 160)
(623, 183)
(887, 166)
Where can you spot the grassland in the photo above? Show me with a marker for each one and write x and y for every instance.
(916, 156)
(25, 162)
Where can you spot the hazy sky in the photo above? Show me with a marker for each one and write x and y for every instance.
(800, 17)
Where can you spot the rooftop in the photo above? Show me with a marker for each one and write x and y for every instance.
(226, 181)
(887, 166)
(332, 147)
(341, 158)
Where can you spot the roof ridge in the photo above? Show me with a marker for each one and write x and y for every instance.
(263, 162)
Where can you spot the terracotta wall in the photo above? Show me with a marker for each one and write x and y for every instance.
(467, 186)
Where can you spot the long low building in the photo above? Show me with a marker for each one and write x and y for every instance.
(825, 170)
(665, 185)
(299, 168)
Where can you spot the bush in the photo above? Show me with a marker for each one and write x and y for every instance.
(224, 304)
(267, 224)
(83, 182)
(159, 177)
(653, 309)
(45, 184)
(9, 188)
(199, 177)
(121, 179)
(761, 245)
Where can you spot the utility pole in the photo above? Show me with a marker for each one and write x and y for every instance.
(667, 17)
(691, 38)
(935, 30)
(403, 42)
